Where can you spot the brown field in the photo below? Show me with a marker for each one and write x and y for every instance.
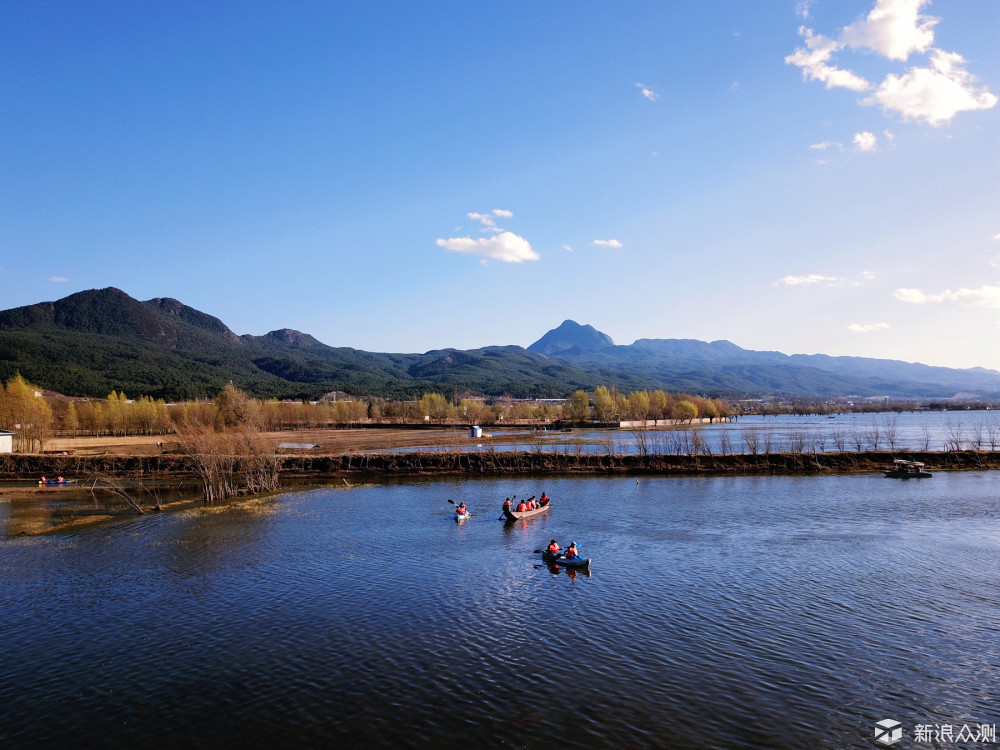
(330, 442)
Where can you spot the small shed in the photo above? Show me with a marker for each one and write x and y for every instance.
(475, 431)
(6, 441)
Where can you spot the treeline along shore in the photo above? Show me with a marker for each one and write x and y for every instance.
(496, 463)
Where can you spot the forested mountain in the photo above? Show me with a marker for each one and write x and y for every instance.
(96, 341)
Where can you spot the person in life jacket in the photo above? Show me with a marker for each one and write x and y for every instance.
(532, 503)
(522, 506)
(461, 509)
(572, 552)
(554, 547)
(506, 504)
(543, 500)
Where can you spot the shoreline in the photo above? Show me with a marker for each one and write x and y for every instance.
(166, 466)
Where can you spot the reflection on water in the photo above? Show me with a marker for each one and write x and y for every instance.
(722, 612)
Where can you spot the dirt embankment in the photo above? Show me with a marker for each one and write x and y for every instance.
(169, 466)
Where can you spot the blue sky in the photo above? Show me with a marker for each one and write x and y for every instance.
(394, 176)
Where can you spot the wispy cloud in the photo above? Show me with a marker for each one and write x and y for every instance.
(802, 8)
(567, 248)
(489, 220)
(818, 279)
(608, 243)
(506, 246)
(58, 279)
(895, 29)
(647, 92)
(826, 145)
(865, 142)
(811, 280)
(996, 236)
(867, 327)
(985, 296)
(814, 60)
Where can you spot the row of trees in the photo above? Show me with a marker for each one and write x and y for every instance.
(34, 418)
(24, 411)
(611, 406)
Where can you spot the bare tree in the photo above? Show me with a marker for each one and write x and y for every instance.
(231, 463)
(751, 438)
(839, 440)
(725, 446)
(796, 441)
(873, 434)
(890, 431)
(956, 436)
(976, 439)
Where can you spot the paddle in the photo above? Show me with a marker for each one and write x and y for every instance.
(511, 502)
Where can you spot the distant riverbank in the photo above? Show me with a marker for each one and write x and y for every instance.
(490, 463)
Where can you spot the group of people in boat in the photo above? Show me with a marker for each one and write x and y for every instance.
(570, 553)
(525, 505)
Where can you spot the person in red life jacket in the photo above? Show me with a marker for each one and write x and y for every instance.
(543, 500)
(554, 547)
(506, 504)
(461, 509)
(522, 506)
(572, 552)
(532, 503)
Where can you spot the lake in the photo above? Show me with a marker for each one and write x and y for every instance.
(887, 431)
(725, 612)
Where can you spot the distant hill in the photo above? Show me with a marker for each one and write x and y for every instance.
(570, 339)
(96, 341)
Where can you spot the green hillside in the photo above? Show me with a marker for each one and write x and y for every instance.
(96, 341)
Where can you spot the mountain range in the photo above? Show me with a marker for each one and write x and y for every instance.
(96, 341)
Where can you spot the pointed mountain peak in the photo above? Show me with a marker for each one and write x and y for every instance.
(572, 338)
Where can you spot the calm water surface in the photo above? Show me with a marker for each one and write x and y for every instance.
(912, 431)
(720, 613)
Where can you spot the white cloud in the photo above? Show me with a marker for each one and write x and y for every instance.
(810, 280)
(867, 327)
(506, 246)
(996, 236)
(813, 59)
(934, 94)
(802, 8)
(825, 145)
(647, 92)
(894, 29)
(567, 248)
(986, 296)
(865, 141)
(608, 243)
(502, 212)
(58, 279)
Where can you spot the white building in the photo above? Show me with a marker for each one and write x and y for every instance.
(6, 441)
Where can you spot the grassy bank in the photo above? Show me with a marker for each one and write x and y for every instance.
(487, 463)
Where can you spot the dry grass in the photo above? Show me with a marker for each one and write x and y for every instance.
(331, 442)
